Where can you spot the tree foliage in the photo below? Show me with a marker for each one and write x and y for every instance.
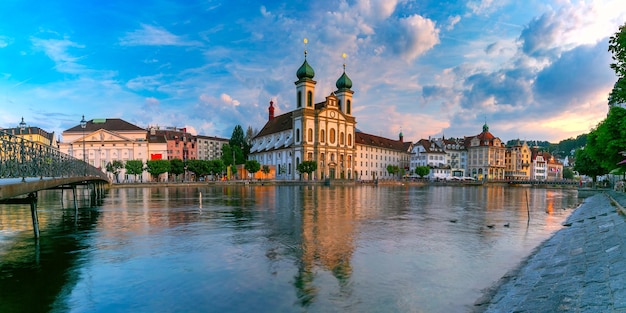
(307, 167)
(617, 47)
(227, 155)
(568, 173)
(422, 171)
(605, 143)
(198, 167)
(114, 167)
(265, 169)
(393, 169)
(252, 166)
(157, 167)
(177, 167)
(587, 165)
(216, 167)
(134, 167)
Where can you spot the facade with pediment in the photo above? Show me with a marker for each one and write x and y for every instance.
(486, 156)
(324, 132)
(106, 140)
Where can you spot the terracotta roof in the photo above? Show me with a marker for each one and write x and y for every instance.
(113, 124)
(277, 124)
(373, 140)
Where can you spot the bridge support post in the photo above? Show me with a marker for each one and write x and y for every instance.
(32, 197)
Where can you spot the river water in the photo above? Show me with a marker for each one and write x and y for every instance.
(272, 248)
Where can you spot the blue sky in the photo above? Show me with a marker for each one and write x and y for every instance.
(531, 69)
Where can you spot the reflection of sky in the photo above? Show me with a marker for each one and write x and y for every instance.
(315, 248)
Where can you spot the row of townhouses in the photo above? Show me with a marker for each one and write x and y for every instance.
(324, 132)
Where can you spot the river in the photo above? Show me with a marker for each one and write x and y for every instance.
(272, 248)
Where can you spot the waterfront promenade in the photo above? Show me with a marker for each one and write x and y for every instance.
(582, 268)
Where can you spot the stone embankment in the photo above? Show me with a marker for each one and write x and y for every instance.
(581, 268)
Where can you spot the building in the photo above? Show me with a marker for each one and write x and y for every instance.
(180, 144)
(323, 132)
(375, 153)
(33, 133)
(210, 148)
(545, 166)
(104, 140)
(485, 156)
(431, 153)
(517, 160)
(457, 156)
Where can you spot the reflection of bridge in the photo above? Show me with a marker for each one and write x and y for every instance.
(27, 167)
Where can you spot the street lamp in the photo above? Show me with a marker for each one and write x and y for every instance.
(83, 125)
(22, 152)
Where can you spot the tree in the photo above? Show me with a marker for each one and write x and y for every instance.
(605, 143)
(134, 167)
(617, 46)
(216, 167)
(177, 167)
(265, 169)
(250, 133)
(114, 167)
(252, 166)
(227, 154)
(568, 173)
(238, 140)
(422, 171)
(586, 165)
(307, 167)
(157, 167)
(198, 167)
(393, 169)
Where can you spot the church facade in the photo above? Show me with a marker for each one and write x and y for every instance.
(324, 132)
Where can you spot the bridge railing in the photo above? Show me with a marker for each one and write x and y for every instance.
(21, 158)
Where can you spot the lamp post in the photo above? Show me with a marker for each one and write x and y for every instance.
(22, 152)
(83, 125)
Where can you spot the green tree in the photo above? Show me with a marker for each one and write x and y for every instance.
(605, 143)
(393, 169)
(250, 133)
(617, 46)
(134, 167)
(198, 167)
(307, 167)
(585, 164)
(252, 166)
(265, 169)
(227, 155)
(422, 171)
(238, 140)
(114, 167)
(568, 173)
(177, 167)
(216, 167)
(157, 167)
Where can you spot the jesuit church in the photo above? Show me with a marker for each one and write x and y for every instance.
(324, 132)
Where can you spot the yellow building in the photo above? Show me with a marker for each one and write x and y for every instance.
(518, 162)
(486, 156)
(33, 133)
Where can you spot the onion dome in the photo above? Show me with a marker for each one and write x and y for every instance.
(305, 71)
(485, 128)
(344, 82)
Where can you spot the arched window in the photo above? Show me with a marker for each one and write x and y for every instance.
(322, 136)
(310, 135)
(349, 140)
(298, 135)
(339, 102)
(349, 107)
(299, 99)
(309, 99)
(332, 135)
(310, 156)
(342, 138)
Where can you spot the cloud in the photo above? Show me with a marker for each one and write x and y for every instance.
(229, 100)
(145, 82)
(58, 51)
(5, 41)
(485, 7)
(411, 36)
(149, 35)
(453, 20)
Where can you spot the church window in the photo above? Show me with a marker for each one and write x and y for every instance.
(339, 105)
(322, 136)
(341, 138)
(348, 107)
(299, 99)
(349, 140)
(309, 99)
(310, 136)
(298, 135)
(332, 135)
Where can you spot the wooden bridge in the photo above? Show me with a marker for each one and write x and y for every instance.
(27, 167)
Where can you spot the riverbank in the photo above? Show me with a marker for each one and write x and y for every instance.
(581, 268)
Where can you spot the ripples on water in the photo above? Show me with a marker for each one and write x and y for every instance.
(273, 249)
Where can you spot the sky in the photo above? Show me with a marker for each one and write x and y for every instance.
(531, 70)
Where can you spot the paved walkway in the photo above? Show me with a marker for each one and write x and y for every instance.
(582, 268)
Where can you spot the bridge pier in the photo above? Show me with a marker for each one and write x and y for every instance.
(33, 212)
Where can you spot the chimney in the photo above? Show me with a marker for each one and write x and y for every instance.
(271, 110)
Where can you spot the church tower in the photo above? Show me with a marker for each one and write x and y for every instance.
(343, 93)
(305, 85)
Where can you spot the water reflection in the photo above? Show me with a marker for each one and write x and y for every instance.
(275, 248)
